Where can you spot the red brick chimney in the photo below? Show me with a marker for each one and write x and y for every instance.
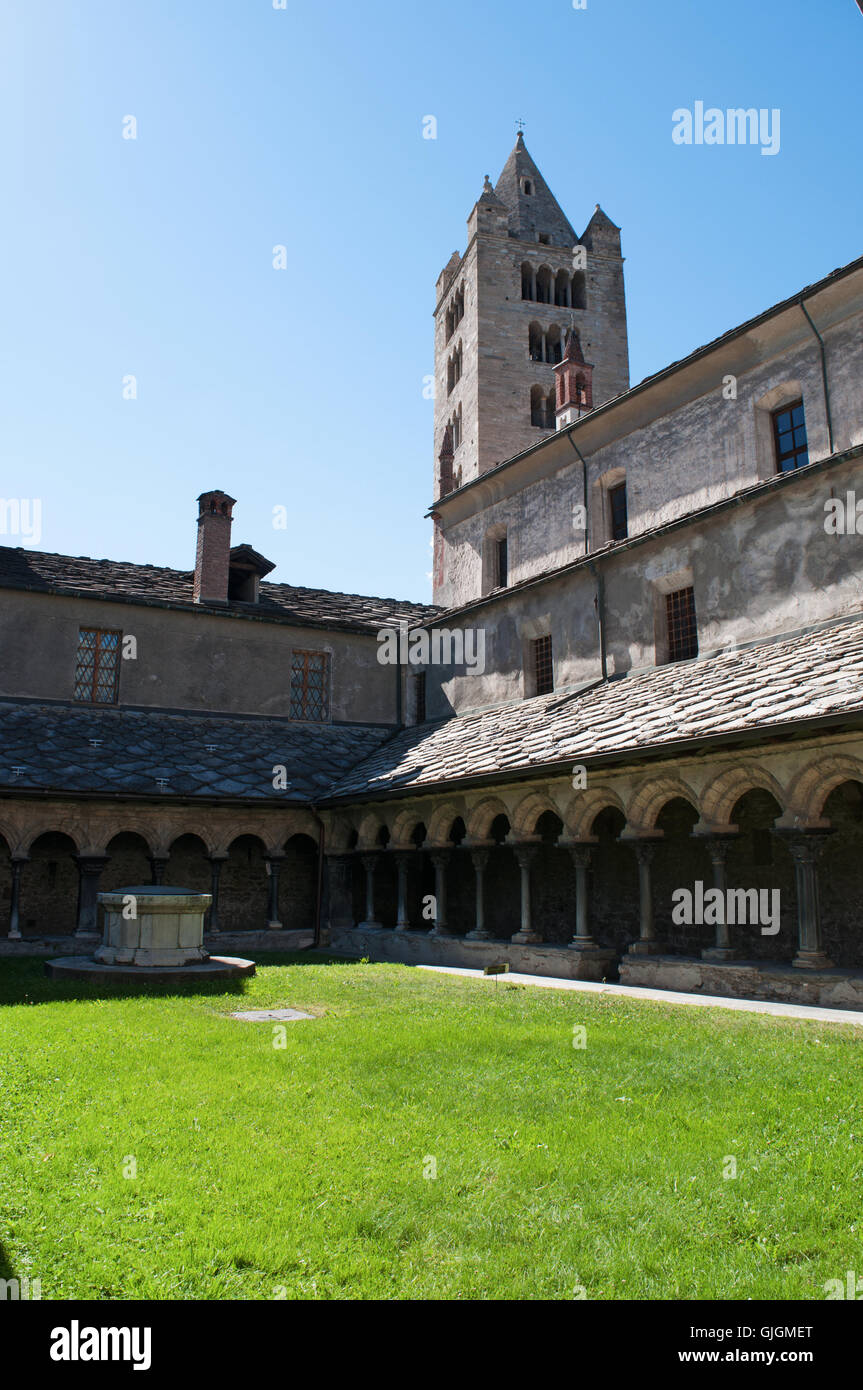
(213, 558)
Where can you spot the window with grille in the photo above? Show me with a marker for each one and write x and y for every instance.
(682, 630)
(543, 669)
(97, 668)
(310, 685)
(789, 433)
(617, 508)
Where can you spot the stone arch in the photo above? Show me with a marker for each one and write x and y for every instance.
(480, 817)
(441, 820)
(49, 884)
(55, 825)
(811, 786)
(528, 811)
(721, 795)
(403, 826)
(652, 795)
(338, 833)
(369, 828)
(584, 809)
(126, 823)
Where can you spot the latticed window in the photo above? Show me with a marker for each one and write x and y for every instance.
(617, 507)
(682, 629)
(97, 670)
(420, 697)
(543, 667)
(310, 685)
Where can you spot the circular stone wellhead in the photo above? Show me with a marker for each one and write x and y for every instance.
(148, 924)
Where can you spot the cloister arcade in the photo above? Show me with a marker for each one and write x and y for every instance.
(595, 871)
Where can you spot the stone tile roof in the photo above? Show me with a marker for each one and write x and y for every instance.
(771, 684)
(196, 755)
(115, 579)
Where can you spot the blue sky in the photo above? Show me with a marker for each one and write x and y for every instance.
(302, 127)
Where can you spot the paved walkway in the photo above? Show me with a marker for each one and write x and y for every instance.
(665, 996)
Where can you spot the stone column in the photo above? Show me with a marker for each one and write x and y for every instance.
(440, 858)
(525, 855)
(18, 862)
(402, 865)
(90, 867)
(369, 864)
(718, 847)
(479, 859)
(212, 920)
(646, 943)
(272, 862)
(581, 856)
(158, 865)
(805, 847)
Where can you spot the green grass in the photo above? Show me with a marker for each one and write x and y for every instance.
(301, 1170)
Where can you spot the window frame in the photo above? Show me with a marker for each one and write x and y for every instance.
(305, 717)
(618, 490)
(542, 664)
(780, 458)
(681, 628)
(115, 688)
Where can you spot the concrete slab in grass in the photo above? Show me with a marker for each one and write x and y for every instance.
(274, 1015)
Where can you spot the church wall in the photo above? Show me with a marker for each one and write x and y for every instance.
(758, 570)
(191, 661)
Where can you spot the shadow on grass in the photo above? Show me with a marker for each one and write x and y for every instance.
(23, 981)
(6, 1269)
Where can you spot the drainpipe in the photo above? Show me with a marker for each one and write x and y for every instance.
(600, 587)
(823, 375)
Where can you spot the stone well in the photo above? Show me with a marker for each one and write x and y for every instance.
(153, 932)
(153, 925)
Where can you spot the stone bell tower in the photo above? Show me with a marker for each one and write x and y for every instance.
(503, 312)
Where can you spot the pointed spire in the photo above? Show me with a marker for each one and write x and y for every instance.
(572, 347)
(488, 197)
(531, 205)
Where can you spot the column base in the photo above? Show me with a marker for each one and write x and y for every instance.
(403, 926)
(87, 936)
(14, 936)
(720, 953)
(479, 935)
(526, 938)
(275, 926)
(371, 926)
(812, 960)
(646, 948)
(441, 931)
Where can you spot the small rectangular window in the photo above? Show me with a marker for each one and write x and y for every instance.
(310, 685)
(682, 629)
(789, 433)
(97, 668)
(420, 698)
(502, 566)
(617, 508)
(543, 667)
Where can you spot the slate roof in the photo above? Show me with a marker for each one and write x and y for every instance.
(538, 211)
(115, 579)
(766, 686)
(197, 755)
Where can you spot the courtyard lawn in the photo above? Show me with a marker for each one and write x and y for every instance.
(305, 1172)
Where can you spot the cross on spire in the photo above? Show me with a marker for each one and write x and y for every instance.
(519, 125)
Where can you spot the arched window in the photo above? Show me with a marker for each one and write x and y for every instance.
(562, 289)
(534, 342)
(544, 293)
(527, 281)
(553, 344)
(527, 187)
(579, 290)
(550, 411)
